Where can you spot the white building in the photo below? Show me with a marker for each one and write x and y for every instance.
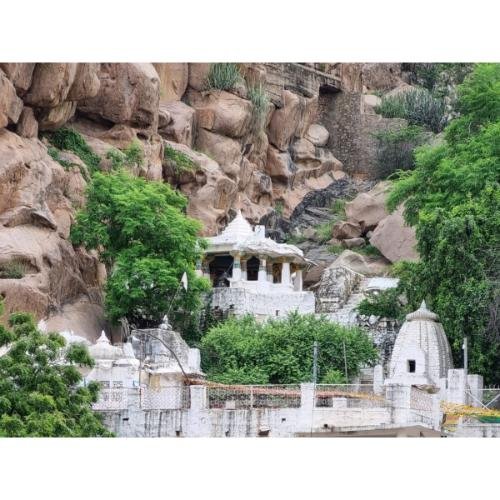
(252, 274)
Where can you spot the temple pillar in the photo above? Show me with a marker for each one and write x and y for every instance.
(285, 273)
(262, 270)
(244, 275)
(269, 270)
(236, 268)
(298, 281)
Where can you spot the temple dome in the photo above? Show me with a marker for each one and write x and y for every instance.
(238, 230)
(103, 350)
(421, 353)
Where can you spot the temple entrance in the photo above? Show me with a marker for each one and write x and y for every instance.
(253, 269)
(221, 269)
(277, 267)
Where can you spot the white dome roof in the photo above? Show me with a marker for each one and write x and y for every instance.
(103, 349)
(421, 353)
(238, 230)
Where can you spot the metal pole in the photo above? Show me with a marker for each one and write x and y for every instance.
(466, 363)
(315, 362)
(345, 363)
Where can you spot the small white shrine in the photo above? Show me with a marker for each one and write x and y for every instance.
(252, 274)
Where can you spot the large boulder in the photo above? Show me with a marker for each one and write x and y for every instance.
(178, 122)
(51, 84)
(221, 112)
(27, 126)
(128, 94)
(394, 239)
(317, 134)
(279, 164)
(53, 118)
(224, 150)
(368, 209)
(286, 121)
(344, 230)
(174, 79)
(198, 73)
(10, 105)
(20, 74)
(362, 264)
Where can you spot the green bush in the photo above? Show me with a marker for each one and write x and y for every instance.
(180, 161)
(41, 389)
(333, 377)
(147, 243)
(223, 76)
(260, 102)
(132, 155)
(54, 153)
(71, 140)
(338, 208)
(452, 197)
(395, 149)
(324, 231)
(280, 350)
(417, 106)
(13, 271)
(385, 304)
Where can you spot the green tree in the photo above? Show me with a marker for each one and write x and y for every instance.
(280, 351)
(147, 243)
(452, 197)
(41, 394)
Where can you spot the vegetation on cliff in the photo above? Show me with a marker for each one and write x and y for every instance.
(452, 197)
(243, 351)
(40, 387)
(147, 243)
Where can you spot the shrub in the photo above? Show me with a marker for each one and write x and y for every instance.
(338, 208)
(132, 155)
(12, 271)
(282, 349)
(223, 76)
(369, 250)
(179, 160)
(385, 304)
(54, 153)
(260, 102)
(279, 207)
(324, 231)
(71, 140)
(417, 106)
(333, 377)
(396, 148)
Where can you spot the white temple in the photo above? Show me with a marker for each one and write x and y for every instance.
(252, 274)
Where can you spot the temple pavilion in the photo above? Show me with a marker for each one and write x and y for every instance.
(252, 274)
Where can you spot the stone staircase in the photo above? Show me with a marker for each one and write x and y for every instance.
(347, 314)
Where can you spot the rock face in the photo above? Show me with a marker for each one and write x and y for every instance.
(181, 123)
(128, 94)
(174, 79)
(395, 240)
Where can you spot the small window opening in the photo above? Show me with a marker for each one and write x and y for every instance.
(411, 365)
(277, 312)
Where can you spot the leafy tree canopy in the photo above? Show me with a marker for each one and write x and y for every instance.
(40, 386)
(280, 351)
(453, 199)
(147, 243)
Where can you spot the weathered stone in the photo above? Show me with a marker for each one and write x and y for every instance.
(10, 105)
(343, 230)
(27, 126)
(353, 242)
(368, 266)
(53, 118)
(182, 125)
(198, 73)
(303, 151)
(285, 121)
(317, 134)
(128, 94)
(224, 150)
(174, 79)
(368, 209)
(279, 165)
(395, 240)
(86, 83)
(51, 84)
(20, 74)
(221, 112)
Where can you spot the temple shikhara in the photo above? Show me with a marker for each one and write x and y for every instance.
(252, 274)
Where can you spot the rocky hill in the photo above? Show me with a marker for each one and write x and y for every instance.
(281, 142)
